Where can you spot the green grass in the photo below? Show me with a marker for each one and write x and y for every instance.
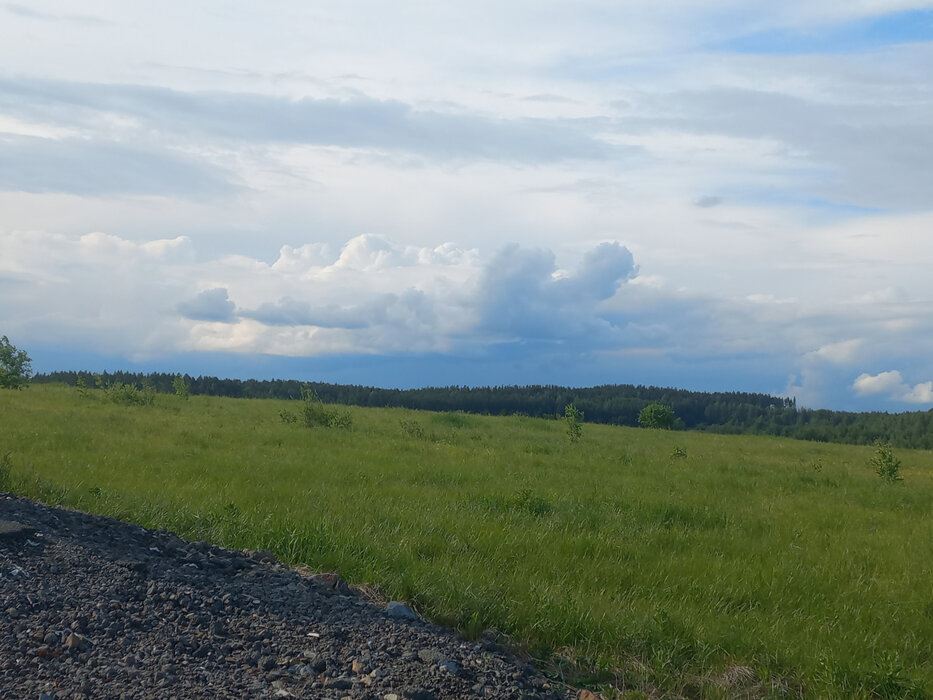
(651, 561)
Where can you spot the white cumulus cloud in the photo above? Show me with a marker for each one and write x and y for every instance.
(893, 384)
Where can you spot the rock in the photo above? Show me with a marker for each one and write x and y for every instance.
(431, 655)
(12, 530)
(331, 582)
(449, 666)
(266, 663)
(419, 694)
(74, 641)
(263, 555)
(400, 611)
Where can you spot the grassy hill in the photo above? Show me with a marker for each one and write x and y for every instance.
(697, 564)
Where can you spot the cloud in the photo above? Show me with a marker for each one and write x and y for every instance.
(376, 297)
(33, 14)
(886, 170)
(842, 352)
(290, 312)
(357, 122)
(89, 167)
(708, 201)
(209, 305)
(523, 296)
(893, 384)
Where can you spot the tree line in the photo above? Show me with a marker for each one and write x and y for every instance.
(615, 404)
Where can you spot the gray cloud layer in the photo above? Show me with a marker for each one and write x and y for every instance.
(356, 123)
(879, 152)
(88, 167)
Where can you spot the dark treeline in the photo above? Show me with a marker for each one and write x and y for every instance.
(617, 404)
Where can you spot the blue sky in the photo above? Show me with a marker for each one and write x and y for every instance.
(716, 196)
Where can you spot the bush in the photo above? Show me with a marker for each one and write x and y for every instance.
(129, 395)
(316, 414)
(15, 366)
(574, 418)
(656, 415)
(180, 386)
(886, 465)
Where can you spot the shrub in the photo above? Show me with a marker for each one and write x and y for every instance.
(180, 386)
(574, 418)
(316, 414)
(656, 415)
(82, 387)
(886, 465)
(124, 394)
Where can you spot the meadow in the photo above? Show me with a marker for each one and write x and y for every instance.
(642, 562)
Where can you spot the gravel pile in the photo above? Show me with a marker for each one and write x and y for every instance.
(92, 607)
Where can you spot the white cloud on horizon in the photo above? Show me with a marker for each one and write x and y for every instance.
(893, 385)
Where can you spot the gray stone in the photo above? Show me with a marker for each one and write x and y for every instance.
(11, 530)
(401, 611)
(418, 694)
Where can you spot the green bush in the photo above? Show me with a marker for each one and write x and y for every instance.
(130, 395)
(656, 415)
(180, 386)
(574, 418)
(316, 414)
(886, 465)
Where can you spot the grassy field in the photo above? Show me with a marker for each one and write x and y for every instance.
(651, 562)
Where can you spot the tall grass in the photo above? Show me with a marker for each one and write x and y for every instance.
(773, 564)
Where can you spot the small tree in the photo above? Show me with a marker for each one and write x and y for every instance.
(15, 366)
(574, 418)
(315, 413)
(180, 386)
(886, 465)
(656, 415)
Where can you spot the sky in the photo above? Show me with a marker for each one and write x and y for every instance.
(716, 195)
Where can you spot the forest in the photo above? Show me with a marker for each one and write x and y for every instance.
(614, 404)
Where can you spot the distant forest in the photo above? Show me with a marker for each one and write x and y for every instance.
(616, 404)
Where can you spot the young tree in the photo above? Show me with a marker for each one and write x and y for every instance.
(574, 418)
(15, 366)
(886, 465)
(656, 415)
(180, 386)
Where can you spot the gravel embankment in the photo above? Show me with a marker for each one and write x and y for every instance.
(93, 607)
